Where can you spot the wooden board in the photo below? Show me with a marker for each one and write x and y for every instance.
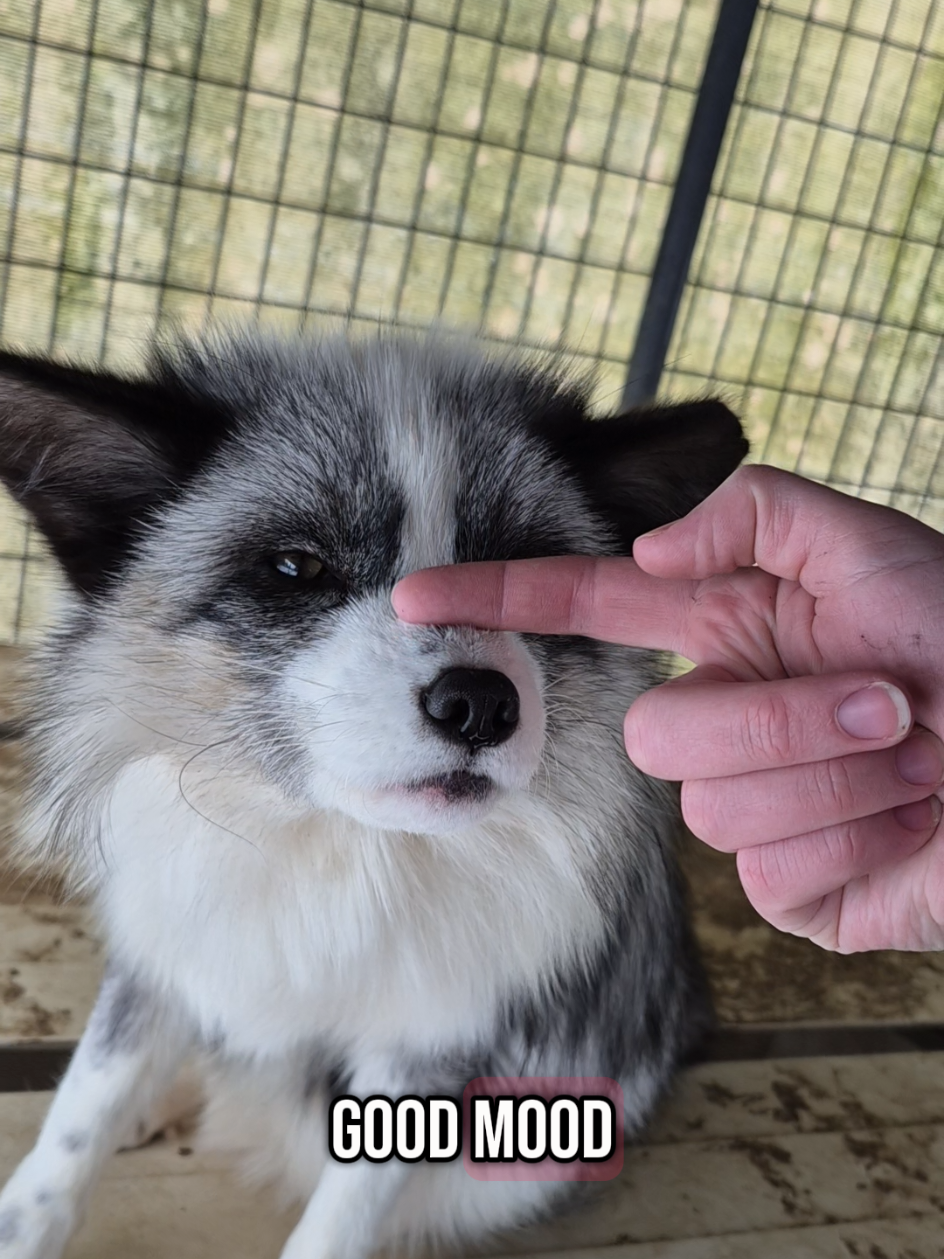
(839, 1157)
(50, 967)
(759, 975)
(876, 1239)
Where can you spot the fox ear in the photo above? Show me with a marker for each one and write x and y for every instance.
(91, 456)
(645, 468)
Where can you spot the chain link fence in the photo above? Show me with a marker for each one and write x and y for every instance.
(500, 165)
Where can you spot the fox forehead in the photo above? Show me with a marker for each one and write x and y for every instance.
(378, 464)
(458, 454)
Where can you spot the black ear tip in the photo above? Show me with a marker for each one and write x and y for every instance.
(700, 423)
(92, 456)
(720, 428)
(729, 428)
(726, 424)
(718, 412)
(710, 410)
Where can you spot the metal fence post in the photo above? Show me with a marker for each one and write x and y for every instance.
(709, 119)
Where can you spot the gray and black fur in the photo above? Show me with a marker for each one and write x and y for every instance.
(299, 870)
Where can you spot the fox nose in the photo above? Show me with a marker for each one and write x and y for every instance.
(478, 707)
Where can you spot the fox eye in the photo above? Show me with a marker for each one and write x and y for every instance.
(298, 565)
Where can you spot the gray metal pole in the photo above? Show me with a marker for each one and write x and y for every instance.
(709, 119)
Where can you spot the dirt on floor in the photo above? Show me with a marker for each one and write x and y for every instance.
(759, 975)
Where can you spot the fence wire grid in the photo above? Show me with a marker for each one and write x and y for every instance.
(501, 165)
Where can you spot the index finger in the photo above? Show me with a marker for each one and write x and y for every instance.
(610, 599)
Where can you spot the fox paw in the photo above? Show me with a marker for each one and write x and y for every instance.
(34, 1225)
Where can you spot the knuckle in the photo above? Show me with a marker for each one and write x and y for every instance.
(503, 600)
(774, 508)
(768, 876)
(582, 595)
(831, 788)
(841, 847)
(818, 921)
(755, 479)
(642, 735)
(747, 474)
(761, 870)
(759, 475)
(704, 811)
(768, 730)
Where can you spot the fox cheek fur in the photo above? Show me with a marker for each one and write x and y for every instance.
(331, 852)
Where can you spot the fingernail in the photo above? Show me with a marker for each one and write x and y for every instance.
(876, 712)
(923, 815)
(919, 760)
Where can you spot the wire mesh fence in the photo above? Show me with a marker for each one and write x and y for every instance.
(817, 292)
(504, 165)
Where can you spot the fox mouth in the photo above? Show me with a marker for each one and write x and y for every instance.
(459, 787)
(442, 799)
(456, 788)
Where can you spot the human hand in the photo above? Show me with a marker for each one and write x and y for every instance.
(803, 736)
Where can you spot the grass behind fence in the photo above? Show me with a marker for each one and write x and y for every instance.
(503, 165)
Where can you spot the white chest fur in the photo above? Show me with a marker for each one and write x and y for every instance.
(275, 927)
